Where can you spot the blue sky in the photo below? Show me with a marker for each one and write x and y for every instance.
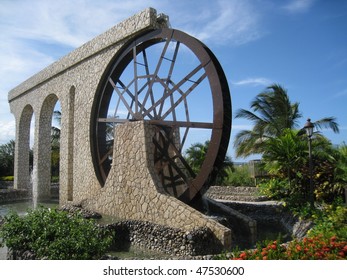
(299, 44)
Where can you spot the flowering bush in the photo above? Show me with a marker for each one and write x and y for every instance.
(313, 248)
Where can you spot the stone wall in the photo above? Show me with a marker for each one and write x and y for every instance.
(170, 241)
(235, 193)
(273, 214)
(133, 190)
(11, 195)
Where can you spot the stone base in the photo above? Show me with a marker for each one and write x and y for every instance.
(133, 190)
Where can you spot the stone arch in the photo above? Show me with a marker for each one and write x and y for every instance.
(22, 150)
(42, 149)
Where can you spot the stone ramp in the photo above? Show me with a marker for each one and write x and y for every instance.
(231, 193)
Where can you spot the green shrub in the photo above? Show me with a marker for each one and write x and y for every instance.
(330, 221)
(55, 179)
(274, 188)
(238, 176)
(6, 178)
(54, 234)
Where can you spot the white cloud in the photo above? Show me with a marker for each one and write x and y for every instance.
(242, 127)
(67, 22)
(298, 6)
(340, 93)
(222, 22)
(8, 131)
(253, 82)
(36, 33)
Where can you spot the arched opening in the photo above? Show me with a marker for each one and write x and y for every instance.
(23, 154)
(55, 150)
(43, 149)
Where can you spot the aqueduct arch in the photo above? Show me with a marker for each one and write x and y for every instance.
(22, 172)
(130, 187)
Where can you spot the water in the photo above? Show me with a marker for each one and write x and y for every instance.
(22, 207)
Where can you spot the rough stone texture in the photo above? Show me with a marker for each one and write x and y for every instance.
(244, 227)
(10, 195)
(6, 184)
(273, 213)
(163, 239)
(133, 190)
(235, 193)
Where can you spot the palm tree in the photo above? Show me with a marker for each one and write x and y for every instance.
(55, 131)
(272, 113)
(195, 156)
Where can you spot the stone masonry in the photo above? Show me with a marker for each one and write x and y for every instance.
(133, 191)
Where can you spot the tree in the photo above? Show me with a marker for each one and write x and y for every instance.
(195, 156)
(286, 157)
(7, 158)
(55, 142)
(271, 113)
(55, 131)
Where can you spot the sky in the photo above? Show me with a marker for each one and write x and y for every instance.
(299, 44)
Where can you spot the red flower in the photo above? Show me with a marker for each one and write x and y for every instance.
(298, 248)
(243, 255)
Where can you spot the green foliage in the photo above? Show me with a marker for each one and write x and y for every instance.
(7, 158)
(55, 179)
(271, 113)
(330, 221)
(286, 157)
(6, 178)
(327, 240)
(274, 188)
(238, 176)
(195, 156)
(285, 153)
(54, 234)
(55, 159)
